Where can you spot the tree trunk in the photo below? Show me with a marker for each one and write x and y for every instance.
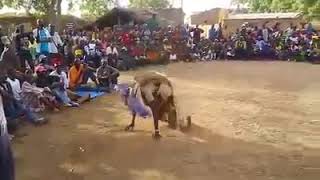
(58, 21)
(52, 12)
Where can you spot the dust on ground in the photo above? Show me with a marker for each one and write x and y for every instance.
(252, 121)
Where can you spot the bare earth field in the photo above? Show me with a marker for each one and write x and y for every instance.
(252, 121)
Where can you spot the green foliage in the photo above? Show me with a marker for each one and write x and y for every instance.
(15, 3)
(311, 8)
(95, 8)
(153, 4)
(41, 7)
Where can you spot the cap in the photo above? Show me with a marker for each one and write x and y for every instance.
(41, 57)
(40, 69)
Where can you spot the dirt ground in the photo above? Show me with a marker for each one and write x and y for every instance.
(252, 121)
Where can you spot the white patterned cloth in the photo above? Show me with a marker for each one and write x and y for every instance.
(3, 121)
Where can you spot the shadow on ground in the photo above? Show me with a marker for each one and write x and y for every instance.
(90, 144)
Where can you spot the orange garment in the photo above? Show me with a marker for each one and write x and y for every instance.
(75, 76)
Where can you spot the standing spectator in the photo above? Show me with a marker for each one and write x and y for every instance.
(4, 44)
(1, 43)
(43, 38)
(185, 33)
(310, 29)
(6, 157)
(213, 33)
(220, 33)
(290, 30)
(152, 23)
(197, 34)
(55, 42)
(265, 33)
(22, 47)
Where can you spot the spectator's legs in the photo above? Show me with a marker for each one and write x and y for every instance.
(114, 79)
(30, 116)
(30, 62)
(22, 63)
(51, 104)
(11, 111)
(63, 96)
(89, 74)
(6, 158)
(24, 56)
(104, 82)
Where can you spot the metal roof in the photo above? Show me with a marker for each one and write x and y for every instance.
(290, 15)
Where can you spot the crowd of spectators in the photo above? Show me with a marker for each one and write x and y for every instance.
(54, 65)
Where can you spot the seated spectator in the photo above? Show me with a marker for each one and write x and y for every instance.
(229, 50)
(173, 57)
(241, 48)
(107, 75)
(78, 52)
(93, 59)
(14, 106)
(37, 98)
(79, 74)
(59, 87)
(112, 54)
(42, 79)
(126, 61)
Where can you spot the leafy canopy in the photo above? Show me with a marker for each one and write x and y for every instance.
(153, 4)
(310, 8)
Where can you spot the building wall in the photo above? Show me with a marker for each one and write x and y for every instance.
(213, 16)
(175, 16)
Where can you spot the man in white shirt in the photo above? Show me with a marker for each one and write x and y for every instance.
(16, 87)
(56, 41)
(265, 33)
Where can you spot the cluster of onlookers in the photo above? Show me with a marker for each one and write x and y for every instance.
(251, 42)
(128, 46)
(43, 80)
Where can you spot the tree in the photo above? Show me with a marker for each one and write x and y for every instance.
(310, 8)
(25, 4)
(95, 8)
(152, 4)
(50, 8)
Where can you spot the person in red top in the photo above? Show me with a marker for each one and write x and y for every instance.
(126, 39)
